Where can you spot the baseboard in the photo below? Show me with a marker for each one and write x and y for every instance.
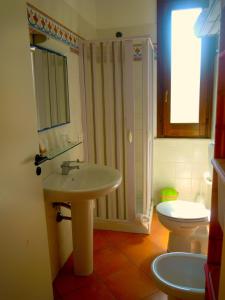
(124, 225)
(118, 225)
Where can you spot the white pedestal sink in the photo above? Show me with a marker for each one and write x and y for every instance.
(79, 188)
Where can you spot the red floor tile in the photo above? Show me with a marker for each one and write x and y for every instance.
(122, 268)
(109, 260)
(67, 282)
(116, 238)
(94, 291)
(157, 296)
(130, 283)
(139, 252)
(100, 240)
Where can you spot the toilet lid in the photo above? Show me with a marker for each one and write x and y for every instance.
(186, 210)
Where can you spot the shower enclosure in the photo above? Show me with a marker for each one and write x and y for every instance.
(117, 91)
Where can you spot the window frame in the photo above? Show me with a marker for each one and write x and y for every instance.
(182, 130)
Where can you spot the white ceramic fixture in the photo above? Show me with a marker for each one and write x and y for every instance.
(79, 188)
(182, 219)
(180, 275)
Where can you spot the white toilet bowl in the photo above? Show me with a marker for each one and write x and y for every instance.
(182, 219)
(180, 275)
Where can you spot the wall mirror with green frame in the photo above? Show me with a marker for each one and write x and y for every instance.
(50, 78)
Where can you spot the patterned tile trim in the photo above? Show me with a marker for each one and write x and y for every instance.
(41, 22)
(137, 52)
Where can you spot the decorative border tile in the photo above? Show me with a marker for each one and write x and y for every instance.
(138, 53)
(41, 22)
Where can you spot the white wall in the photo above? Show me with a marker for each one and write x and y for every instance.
(85, 8)
(60, 234)
(24, 257)
(80, 17)
(131, 17)
(24, 247)
(24, 251)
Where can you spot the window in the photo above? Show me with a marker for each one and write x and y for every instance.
(185, 71)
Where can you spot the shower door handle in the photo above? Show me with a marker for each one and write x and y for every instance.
(130, 136)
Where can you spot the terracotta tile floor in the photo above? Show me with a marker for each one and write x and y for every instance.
(121, 268)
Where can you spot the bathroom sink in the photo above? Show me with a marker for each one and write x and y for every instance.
(80, 187)
(90, 181)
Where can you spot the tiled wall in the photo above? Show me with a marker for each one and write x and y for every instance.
(178, 163)
(181, 163)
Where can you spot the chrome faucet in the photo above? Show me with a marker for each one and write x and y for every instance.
(66, 167)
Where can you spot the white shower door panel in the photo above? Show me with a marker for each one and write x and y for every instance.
(119, 123)
(109, 110)
(109, 97)
(147, 124)
(89, 104)
(129, 158)
(99, 115)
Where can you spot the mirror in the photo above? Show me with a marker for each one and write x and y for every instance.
(51, 87)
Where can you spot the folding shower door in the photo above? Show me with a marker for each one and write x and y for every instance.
(109, 120)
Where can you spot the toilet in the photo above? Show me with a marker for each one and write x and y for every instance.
(180, 275)
(187, 222)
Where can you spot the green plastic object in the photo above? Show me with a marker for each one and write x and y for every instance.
(168, 194)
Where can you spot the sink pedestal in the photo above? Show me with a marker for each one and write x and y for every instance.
(82, 229)
(79, 188)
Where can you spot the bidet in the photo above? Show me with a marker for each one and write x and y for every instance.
(180, 275)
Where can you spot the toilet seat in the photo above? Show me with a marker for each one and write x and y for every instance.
(182, 219)
(184, 211)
